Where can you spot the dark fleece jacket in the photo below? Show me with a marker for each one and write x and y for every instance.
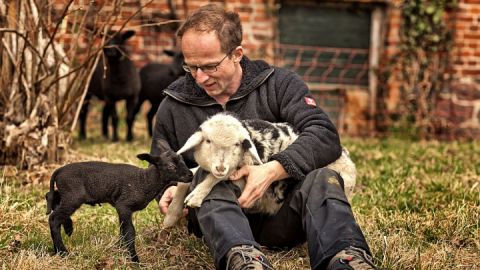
(269, 93)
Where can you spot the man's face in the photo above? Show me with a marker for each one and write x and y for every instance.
(204, 49)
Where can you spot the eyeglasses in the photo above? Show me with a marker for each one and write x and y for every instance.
(208, 69)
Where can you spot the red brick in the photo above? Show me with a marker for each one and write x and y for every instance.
(473, 72)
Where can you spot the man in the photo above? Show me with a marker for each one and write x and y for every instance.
(220, 78)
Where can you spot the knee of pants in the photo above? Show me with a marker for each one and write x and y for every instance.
(324, 183)
(223, 194)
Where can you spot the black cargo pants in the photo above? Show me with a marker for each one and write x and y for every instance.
(316, 211)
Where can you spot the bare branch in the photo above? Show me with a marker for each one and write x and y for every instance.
(30, 45)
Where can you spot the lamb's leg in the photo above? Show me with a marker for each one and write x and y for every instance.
(131, 102)
(127, 231)
(150, 115)
(106, 113)
(175, 209)
(114, 123)
(195, 198)
(60, 216)
(83, 116)
(68, 226)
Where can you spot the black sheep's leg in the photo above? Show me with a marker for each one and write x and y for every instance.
(61, 215)
(83, 116)
(114, 116)
(131, 107)
(109, 111)
(68, 226)
(150, 115)
(107, 108)
(127, 232)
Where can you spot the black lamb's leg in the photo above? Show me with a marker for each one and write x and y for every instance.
(68, 226)
(127, 232)
(150, 115)
(131, 103)
(83, 117)
(106, 113)
(59, 217)
(114, 116)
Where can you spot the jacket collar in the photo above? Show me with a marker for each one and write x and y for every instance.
(186, 90)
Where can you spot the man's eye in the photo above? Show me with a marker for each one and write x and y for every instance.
(208, 68)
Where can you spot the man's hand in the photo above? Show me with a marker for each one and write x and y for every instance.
(166, 199)
(258, 179)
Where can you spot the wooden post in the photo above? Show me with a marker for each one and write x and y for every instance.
(375, 43)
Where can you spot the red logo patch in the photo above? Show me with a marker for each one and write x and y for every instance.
(310, 101)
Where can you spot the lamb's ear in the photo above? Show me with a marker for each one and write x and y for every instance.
(145, 156)
(193, 141)
(162, 145)
(128, 34)
(250, 147)
(169, 52)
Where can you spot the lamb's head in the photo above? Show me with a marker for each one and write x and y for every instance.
(176, 66)
(220, 145)
(170, 164)
(115, 47)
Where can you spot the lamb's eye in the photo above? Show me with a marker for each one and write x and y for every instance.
(237, 144)
(171, 167)
(207, 141)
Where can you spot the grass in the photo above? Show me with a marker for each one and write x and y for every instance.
(418, 204)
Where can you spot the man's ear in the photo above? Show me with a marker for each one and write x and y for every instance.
(237, 54)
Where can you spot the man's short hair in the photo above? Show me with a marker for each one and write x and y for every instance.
(211, 17)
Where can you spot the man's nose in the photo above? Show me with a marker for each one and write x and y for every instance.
(200, 76)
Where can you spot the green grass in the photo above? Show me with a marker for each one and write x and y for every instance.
(418, 204)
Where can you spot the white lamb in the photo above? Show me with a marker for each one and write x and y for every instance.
(223, 144)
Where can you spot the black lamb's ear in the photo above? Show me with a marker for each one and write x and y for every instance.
(145, 156)
(246, 144)
(162, 145)
(127, 34)
(169, 52)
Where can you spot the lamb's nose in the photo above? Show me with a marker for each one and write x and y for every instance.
(220, 168)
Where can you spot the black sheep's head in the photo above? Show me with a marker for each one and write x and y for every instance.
(176, 67)
(115, 47)
(171, 165)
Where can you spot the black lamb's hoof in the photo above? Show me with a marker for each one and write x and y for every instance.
(135, 259)
(61, 253)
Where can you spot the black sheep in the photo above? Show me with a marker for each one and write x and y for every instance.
(113, 80)
(155, 77)
(125, 187)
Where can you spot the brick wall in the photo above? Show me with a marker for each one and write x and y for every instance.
(458, 109)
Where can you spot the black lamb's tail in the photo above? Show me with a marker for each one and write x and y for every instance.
(52, 197)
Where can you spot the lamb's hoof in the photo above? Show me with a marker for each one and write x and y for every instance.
(62, 253)
(135, 259)
(193, 201)
(170, 221)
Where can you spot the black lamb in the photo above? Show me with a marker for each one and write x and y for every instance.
(155, 77)
(115, 78)
(125, 187)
